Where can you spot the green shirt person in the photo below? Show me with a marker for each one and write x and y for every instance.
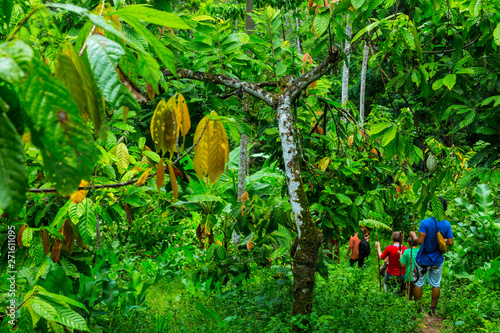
(407, 258)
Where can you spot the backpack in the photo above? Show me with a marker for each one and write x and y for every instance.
(364, 248)
(440, 239)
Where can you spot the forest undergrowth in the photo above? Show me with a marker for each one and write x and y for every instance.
(349, 301)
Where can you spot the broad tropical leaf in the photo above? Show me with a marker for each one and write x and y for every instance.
(370, 223)
(437, 208)
(103, 56)
(45, 241)
(173, 181)
(212, 151)
(13, 173)
(484, 200)
(166, 56)
(57, 129)
(55, 252)
(71, 70)
(160, 175)
(6, 10)
(87, 221)
(169, 119)
(142, 179)
(123, 157)
(151, 15)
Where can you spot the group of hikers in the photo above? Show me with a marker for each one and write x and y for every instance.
(405, 268)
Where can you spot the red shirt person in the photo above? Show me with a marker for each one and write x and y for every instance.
(393, 280)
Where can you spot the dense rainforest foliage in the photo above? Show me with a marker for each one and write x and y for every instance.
(182, 166)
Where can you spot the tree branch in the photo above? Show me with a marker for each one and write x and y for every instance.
(452, 50)
(249, 87)
(260, 84)
(322, 69)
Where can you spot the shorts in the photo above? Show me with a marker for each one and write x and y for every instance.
(435, 273)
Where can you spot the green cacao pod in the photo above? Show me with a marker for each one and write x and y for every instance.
(431, 163)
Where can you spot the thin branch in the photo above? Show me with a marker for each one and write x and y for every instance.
(249, 87)
(452, 50)
(91, 31)
(35, 8)
(260, 84)
(323, 68)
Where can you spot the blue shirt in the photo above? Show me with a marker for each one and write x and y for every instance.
(429, 254)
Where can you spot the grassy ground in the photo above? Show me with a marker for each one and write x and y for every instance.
(348, 301)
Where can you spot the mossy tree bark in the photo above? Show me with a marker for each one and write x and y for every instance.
(309, 237)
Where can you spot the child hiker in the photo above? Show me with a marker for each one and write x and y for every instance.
(407, 259)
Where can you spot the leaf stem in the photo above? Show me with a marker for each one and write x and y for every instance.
(35, 8)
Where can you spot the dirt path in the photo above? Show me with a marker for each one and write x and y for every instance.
(432, 324)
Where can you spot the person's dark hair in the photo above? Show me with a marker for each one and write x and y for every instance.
(397, 236)
(411, 241)
(445, 204)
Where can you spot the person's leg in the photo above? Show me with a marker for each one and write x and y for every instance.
(351, 262)
(419, 280)
(361, 262)
(435, 296)
(435, 282)
(417, 293)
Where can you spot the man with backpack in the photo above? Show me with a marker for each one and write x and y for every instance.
(360, 249)
(429, 258)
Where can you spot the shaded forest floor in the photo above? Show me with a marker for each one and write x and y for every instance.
(349, 301)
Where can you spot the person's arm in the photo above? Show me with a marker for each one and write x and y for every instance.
(402, 259)
(420, 239)
(379, 252)
(449, 237)
(351, 245)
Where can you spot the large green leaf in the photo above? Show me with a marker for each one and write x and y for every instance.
(13, 173)
(6, 10)
(166, 56)
(96, 20)
(151, 15)
(87, 222)
(71, 70)
(43, 309)
(437, 208)
(450, 80)
(57, 129)
(389, 135)
(16, 59)
(321, 22)
(484, 200)
(103, 56)
(61, 299)
(370, 223)
(496, 34)
(148, 68)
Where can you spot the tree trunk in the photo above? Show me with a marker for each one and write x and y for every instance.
(345, 73)
(309, 236)
(299, 42)
(248, 19)
(243, 158)
(363, 85)
(305, 259)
